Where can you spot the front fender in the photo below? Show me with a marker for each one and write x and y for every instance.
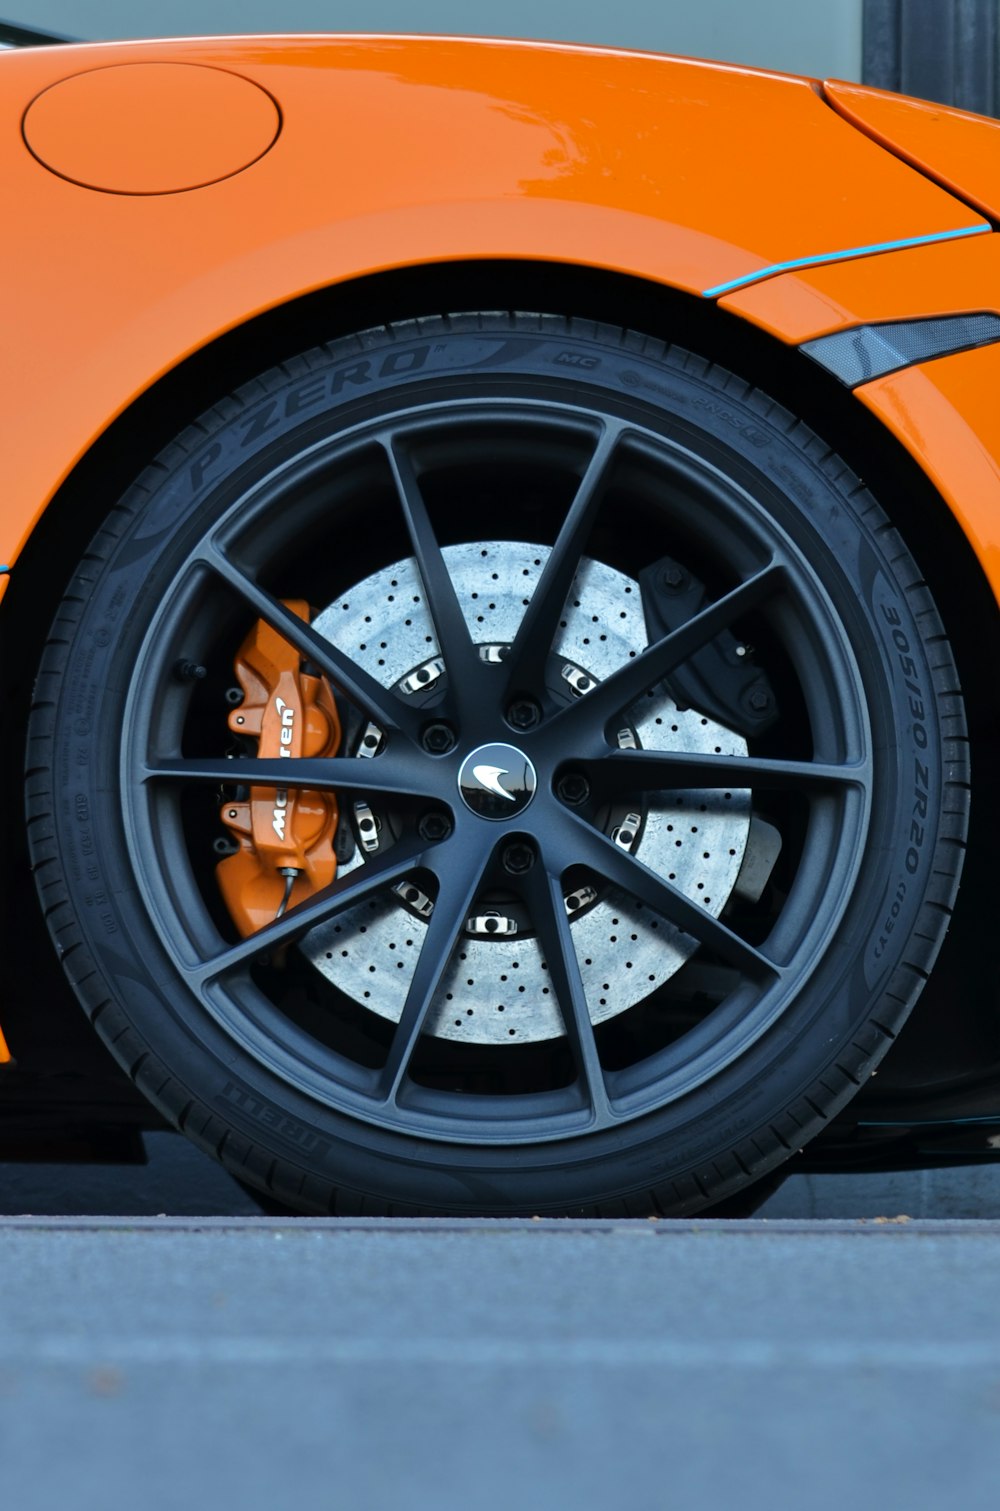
(394, 152)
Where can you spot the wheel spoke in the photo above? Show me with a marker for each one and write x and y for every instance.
(602, 856)
(453, 638)
(544, 895)
(350, 774)
(657, 661)
(677, 770)
(341, 894)
(526, 661)
(352, 680)
(459, 868)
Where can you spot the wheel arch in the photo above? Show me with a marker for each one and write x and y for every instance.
(191, 386)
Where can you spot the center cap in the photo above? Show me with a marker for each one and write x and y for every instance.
(497, 781)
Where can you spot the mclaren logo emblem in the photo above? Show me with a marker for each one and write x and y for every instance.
(489, 777)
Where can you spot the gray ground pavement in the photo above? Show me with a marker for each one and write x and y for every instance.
(840, 1350)
(247, 1362)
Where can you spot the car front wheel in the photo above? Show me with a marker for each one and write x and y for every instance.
(498, 765)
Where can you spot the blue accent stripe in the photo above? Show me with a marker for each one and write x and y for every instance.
(809, 262)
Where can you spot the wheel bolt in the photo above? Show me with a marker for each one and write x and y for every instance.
(673, 577)
(573, 788)
(438, 738)
(523, 713)
(434, 825)
(518, 858)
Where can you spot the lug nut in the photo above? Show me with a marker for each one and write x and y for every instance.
(573, 788)
(438, 738)
(673, 577)
(518, 858)
(434, 825)
(523, 713)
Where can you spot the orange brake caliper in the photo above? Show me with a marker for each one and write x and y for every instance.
(285, 835)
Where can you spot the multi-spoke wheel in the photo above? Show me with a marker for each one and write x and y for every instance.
(498, 764)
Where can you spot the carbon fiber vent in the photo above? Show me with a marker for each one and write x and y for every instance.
(871, 351)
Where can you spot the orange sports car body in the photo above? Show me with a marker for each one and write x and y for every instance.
(183, 218)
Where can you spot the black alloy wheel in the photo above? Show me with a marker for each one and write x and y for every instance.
(631, 893)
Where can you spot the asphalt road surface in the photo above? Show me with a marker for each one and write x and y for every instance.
(162, 1363)
(840, 1350)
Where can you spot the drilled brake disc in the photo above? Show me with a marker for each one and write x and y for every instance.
(496, 989)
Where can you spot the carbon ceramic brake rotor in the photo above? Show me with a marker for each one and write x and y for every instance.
(496, 989)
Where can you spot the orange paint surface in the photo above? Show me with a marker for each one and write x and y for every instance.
(4, 1051)
(946, 414)
(396, 152)
(959, 150)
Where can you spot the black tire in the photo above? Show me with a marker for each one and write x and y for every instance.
(826, 663)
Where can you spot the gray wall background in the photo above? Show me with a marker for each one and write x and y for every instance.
(800, 36)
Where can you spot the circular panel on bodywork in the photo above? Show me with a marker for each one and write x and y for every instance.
(151, 128)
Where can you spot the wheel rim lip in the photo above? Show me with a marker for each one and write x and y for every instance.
(523, 1116)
